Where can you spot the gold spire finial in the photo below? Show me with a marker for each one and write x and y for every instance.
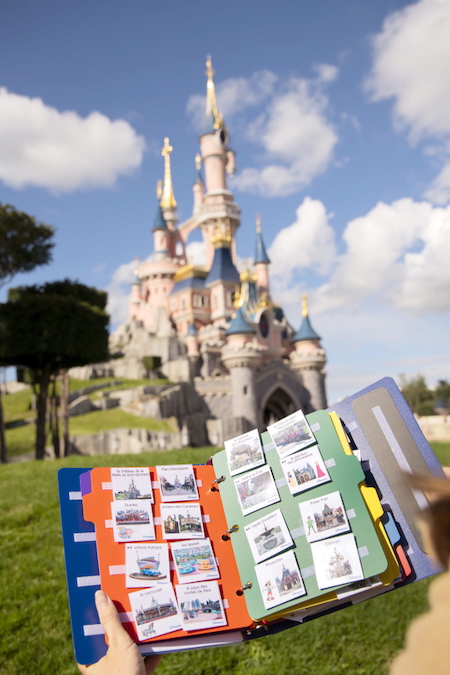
(211, 103)
(137, 260)
(258, 223)
(167, 198)
(198, 162)
(159, 185)
(305, 304)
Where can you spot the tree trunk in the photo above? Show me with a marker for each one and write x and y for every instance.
(42, 414)
(64, 410)
(3, 448)
(54, 423)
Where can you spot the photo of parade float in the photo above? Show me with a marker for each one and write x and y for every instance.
(291, 434)
(132, 516)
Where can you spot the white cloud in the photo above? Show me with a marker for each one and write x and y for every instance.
(411, 65)
(306, 244)
(396, 253)
(119, 292)
(294, 133)
(61, 151)
(196, 253)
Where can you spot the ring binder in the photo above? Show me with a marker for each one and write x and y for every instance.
(217, 480)
(233, 528)
(243, 588)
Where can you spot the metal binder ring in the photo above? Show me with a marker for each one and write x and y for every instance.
(217, 480)
(244, 588)
(233, 528)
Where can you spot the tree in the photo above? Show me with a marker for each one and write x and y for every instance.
(51, 327)
(24, 244)
(419, 398)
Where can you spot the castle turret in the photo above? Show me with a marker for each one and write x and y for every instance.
(218, 160)
(168, 203)
(262, 262)
(135, 298)
(222, 277)
(199, 186)
(309, 359)
(161, 233)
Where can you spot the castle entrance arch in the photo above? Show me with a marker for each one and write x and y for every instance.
(278, 405)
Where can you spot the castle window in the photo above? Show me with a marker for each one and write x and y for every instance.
(245, 391)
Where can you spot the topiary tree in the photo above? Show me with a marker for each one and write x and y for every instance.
(51, 327)
(151, 363)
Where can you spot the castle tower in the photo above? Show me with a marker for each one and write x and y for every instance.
(309, 359)
(222, 277)
(135, 298)
(161, 233)
(262, 262)
(218, 160)
(199, 186)
(168, 203)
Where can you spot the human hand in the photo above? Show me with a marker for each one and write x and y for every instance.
(123, 656)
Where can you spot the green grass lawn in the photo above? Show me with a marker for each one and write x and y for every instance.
(34, 621)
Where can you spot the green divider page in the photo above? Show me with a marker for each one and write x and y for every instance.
(345, 473)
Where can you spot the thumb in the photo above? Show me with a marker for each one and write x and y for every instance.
(109, 618)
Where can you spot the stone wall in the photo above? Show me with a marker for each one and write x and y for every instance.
(125, 441)
(436, 427)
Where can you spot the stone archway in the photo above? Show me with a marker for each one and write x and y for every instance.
(278, 405)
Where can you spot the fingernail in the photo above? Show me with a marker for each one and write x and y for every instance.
(101, 599)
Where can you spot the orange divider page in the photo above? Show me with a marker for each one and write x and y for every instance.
(97, 509)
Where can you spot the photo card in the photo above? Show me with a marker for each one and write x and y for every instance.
(291, 433)
(177, 482)
(256, 489)
(146, 565)
(133, 521)
(244, 452)
(182, 521)
(155, 611)
(279, 580)
(194, 561)
(304, 470)
(268, 536)
(201, 606)
(130, 483)
(336, 561)
(324, 517)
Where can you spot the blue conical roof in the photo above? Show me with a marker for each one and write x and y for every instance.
(159, 223)
(260, 250)
(239, 324)
(306, 331)
(191, 329)
(222, 268)
(209, 127)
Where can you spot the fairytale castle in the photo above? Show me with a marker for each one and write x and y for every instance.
(213, 328)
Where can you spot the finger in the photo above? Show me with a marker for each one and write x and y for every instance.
(151, 662)
(109, 618)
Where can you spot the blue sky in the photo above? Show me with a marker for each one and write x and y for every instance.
(340, 116)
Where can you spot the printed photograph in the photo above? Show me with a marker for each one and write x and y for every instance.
(304, 470)
(155, 611)
(182, 521)
(324, 517)
(336, 561)
(268, 536)
(256, 490)
(132, 521)
(201, 606)
(147, 565)
(279, 580)
(244, 452)
(194, 561)
(290, 434)
(177, 483)
(131, 483)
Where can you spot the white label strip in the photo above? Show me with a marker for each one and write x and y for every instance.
(157, 520)
(84, 536)
(199, 482)
(330, 462)
(398, 452)
(155, 485)
(88, 581)
(206, 519)
(107, 486)
(109, 524)
(117, 569)
(363, 551)
(298, 532)
(281, 482)
(126, 617)
(351, 513)
(93, 629)
(74, 496)
(308, 572)
(226, 604)
(315, 427)
(352, 426)
(269, 447)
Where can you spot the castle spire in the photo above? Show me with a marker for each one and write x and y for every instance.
(214, 119)
(260, 250)
(305, 304)
(306, 331)
(167, 198)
